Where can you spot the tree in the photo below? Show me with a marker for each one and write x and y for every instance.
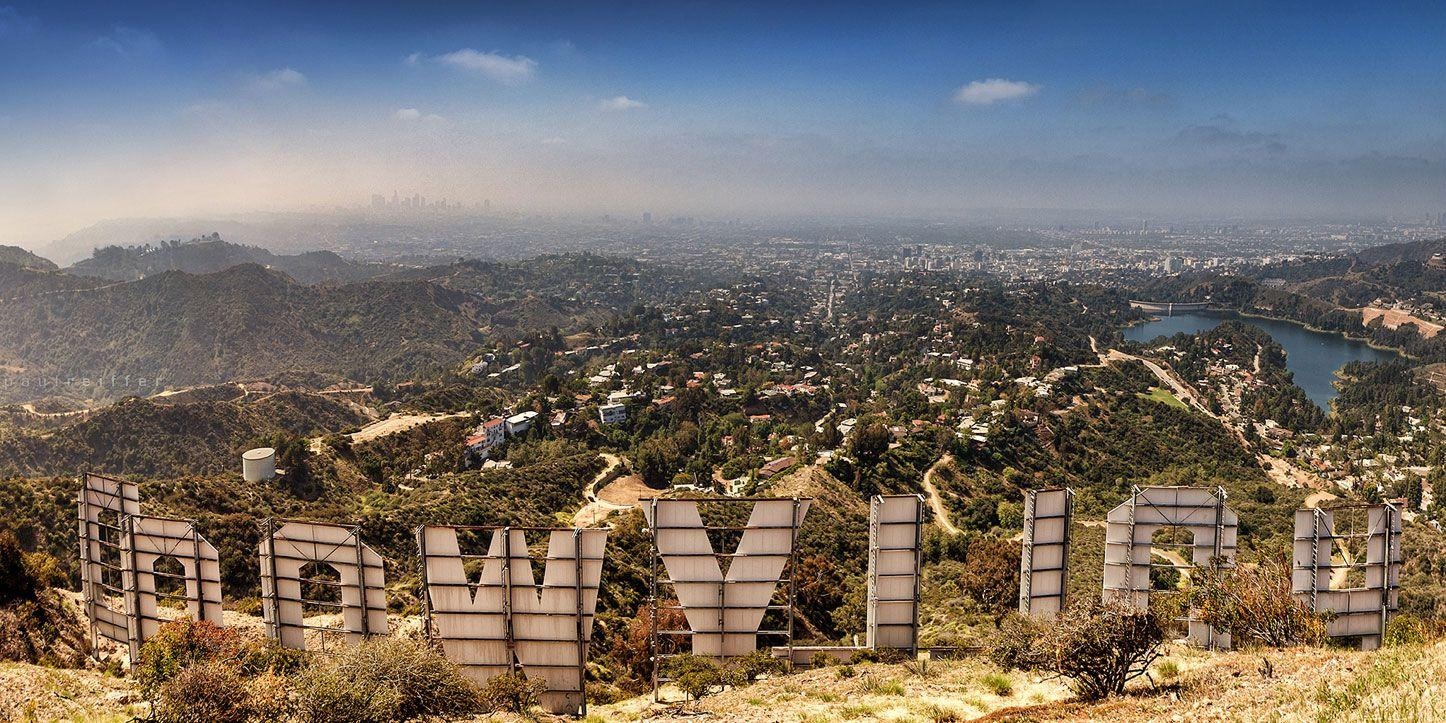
(656, 460)
(871, 441)
(1255, 604)
(991, 576)
(695, 675)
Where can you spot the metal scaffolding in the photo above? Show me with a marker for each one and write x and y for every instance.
(501, 621)
(1044, 558)
(1324, 563)
(1130, 548)
(287, 548)
(722, 624)
(896, 528)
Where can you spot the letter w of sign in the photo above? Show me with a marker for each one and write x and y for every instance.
(500, 620)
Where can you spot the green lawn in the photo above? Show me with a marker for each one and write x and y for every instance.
(1164, 397)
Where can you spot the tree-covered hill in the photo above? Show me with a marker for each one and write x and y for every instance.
(179, 329)
(210, 254)
(25, 259)
(139, 436)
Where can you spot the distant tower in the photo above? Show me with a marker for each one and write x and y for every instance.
(647, 217)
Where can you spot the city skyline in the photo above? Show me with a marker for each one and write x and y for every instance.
(156, 110)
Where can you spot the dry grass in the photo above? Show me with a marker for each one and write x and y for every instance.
(1305, 685)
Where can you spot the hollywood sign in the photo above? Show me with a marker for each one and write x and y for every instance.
(1324, 560)
(488, 614)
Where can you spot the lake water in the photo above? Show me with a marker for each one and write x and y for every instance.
(1313, 356)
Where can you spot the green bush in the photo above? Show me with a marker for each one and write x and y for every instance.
(1404, 629)
(382, 680)
(748, 668)
(695, 675)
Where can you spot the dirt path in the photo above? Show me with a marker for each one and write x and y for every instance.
(399, 423)
(941, 515)
(595, 509)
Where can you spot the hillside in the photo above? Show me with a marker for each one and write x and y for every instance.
(179, 329)
(151, 438)
(24, 259)
(210, 254)
(1288, 686)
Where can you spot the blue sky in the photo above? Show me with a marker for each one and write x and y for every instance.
(1171, 107)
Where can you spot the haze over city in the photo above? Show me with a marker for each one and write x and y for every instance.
(150, 109)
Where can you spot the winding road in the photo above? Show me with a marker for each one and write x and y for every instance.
(936, 503)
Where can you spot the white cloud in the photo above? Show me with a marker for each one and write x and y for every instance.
(994, 90)
(621, 102)
(413, 59)
(554, 141)
(412, 115)
(515, 70)
(279, 79)
(129, 42)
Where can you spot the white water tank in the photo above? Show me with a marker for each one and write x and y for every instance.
(258, 465)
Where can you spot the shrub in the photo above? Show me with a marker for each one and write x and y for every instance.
(211, 692)
(604, 693)
(1017, 643)
(1168, 669)
(746, 669)
(1101, 647)
(512, 693)
(998, 684)
(821, 659)
(183, 644)
(1256, 606)
(864, 655)
(16, 580)
(1404, 629)
(380, 680)
(845, 671)
(695, 675)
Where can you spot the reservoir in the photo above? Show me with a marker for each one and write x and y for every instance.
(1313, 357)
